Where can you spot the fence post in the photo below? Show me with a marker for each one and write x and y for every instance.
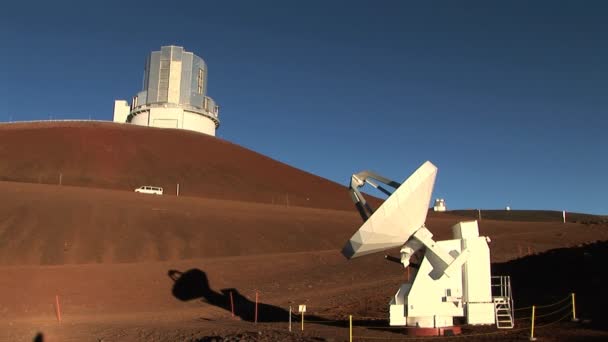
(232, 304)
(574, 319)
(302, 320)
(57, 308)
(256, 306)
(350, 328)
(532, 338)
(290, 318)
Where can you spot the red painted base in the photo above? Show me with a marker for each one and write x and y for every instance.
(445, 331)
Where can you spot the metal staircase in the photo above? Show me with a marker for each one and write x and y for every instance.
(503, 302)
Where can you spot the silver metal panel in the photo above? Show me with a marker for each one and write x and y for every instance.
(196, 99)
(153, 76)
(157, 79)
(176, 53)
(163, 74)
(186, 80)
(144, 85)
(210, 104)
(142, 97)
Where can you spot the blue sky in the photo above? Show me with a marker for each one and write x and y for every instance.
(508, 99)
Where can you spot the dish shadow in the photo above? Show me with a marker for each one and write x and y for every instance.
(194, 285)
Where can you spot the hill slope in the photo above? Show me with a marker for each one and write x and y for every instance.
(530, 216)
(52, 225)
(118, 156)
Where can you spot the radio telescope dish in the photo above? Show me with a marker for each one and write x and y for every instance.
(404, 212)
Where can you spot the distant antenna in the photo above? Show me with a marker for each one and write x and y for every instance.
(439, 205)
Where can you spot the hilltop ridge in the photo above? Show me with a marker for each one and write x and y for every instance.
(121, 156)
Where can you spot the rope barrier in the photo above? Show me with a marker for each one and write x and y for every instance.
(543, 315)
(441, 337)
(509, 332)
(519, 319)
(370, 318)
(516, 319)
(554, 322)
(544, 306)
(348, 323)
(523, 318)
(328, 321)
(554, 304)
(524, 308)
(503, 332)
(554, 312)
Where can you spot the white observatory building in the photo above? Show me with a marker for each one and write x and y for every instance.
(439, 205)
(174, 94)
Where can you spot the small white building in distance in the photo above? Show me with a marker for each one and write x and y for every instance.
(439, 205)
(174, 94)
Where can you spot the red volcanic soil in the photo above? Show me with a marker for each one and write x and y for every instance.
(122, 156)
(131, 267)
(531, 216)
(580, 270)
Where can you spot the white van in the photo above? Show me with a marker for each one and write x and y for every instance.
(146, 189)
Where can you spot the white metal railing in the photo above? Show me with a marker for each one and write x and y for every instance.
(503, 301)
(501, 286)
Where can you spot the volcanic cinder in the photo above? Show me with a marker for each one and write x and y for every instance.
(133, 267)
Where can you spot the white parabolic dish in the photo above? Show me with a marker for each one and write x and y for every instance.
(399, 217)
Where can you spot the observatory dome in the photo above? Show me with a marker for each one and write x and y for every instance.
(174, 94)
(439, 205)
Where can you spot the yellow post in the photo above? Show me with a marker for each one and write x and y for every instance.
(574, 319)
(302, 321)
(532, 338)
(350, 329)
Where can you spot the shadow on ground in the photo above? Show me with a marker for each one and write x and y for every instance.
(194, 285)
(552, 276)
